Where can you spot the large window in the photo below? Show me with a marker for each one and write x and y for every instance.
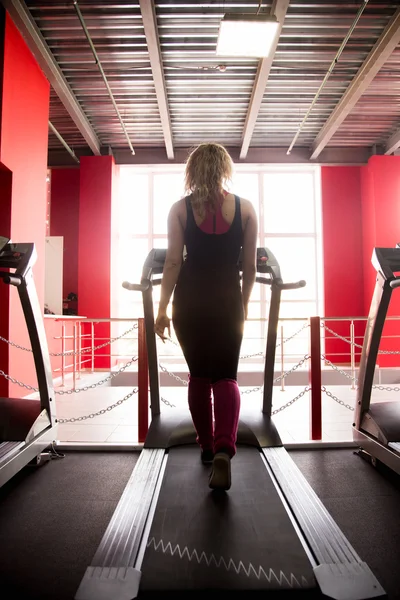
(287, 203)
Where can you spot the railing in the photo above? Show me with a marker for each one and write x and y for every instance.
(309, 347)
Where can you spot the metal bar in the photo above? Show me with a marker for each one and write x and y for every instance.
(271, 349)
(74, 358)
(352, 355)
(93, 49)
(279, 9)
(376, 320)
(333, 65)
(26, 24)
(92, 336)
(315, 379)
(152, 352)
(282, 361)
(63, 354)
(64, 143)
(375, 60)
(143, 383)
(79, 357)
(153, 44)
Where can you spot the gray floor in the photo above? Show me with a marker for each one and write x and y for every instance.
(52, 519)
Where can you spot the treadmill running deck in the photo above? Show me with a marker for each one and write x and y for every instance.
(242, 540)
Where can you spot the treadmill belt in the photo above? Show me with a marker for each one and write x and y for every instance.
(241, 540)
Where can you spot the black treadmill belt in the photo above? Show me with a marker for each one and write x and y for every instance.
(241, 540)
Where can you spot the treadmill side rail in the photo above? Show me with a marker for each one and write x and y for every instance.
(340, 568)
(353, 581)
(112, 574)
(109, 582)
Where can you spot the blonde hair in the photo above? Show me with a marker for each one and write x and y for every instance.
(208, 168)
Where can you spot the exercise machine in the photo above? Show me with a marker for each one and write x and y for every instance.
(171, 536)
(376, 427)
(27, 426)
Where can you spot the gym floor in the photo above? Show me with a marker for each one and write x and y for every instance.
(53, 518)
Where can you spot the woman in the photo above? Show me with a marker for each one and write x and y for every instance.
(209, 306)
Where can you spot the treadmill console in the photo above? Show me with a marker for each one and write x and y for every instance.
(387, 261)
(266, 263)
(16, 256)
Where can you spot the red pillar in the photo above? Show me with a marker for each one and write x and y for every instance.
(315, 379)
(24, 116)
(98, 180)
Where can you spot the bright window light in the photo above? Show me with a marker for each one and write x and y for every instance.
(246, 35)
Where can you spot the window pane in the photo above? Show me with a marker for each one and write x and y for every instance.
(245, 185)
(133, 202)
(168, 188)
(289, 203)
(132, 253)
(297, 260)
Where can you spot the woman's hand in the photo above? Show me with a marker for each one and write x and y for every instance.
(162, 322)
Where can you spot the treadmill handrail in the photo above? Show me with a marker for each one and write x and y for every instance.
(137, 287)
(395, 283)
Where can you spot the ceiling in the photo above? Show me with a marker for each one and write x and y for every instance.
(172, 91)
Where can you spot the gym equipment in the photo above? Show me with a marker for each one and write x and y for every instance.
(376, 427)
(27, 426)
(170, 535)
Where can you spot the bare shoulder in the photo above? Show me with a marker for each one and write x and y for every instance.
(247, 208)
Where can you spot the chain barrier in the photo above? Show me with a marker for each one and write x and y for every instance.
(344, 339)
(72, 352)
(103, 411)
(73, 390)
(336, 368)
(281, 408)
(336, 399)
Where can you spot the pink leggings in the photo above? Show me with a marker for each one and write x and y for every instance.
(218, 434)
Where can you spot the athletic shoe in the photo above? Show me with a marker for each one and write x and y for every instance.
(220, 477)
(207, 457)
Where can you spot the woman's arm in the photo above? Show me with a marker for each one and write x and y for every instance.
(173, 260)
(249, 255)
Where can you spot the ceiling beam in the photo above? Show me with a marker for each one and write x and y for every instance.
(393, 143)
(279, 9)
(153, 44)
(379, 54)
(24, 21)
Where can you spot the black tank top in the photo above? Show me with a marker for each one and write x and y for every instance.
(212, 250)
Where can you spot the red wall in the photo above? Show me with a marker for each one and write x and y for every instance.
(97, 185)
(23, 150)
(64, 221)
(342, 253)
(381, 228)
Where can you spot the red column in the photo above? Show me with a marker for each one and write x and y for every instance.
(98, 178)
(315, 379)
(24, 105)
(143, 383)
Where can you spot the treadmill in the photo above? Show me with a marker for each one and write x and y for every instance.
(377, 426)
(27, 426)
(171, 536)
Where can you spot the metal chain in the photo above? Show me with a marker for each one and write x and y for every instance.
(299, 364)
(167, 402)
(23, 385)
(336, 399)
(90, 349)
(386, 389)
(281, 408)
(176, 377)
(72, 352)
(73, 390)
(103, 411)
(337, 369)
(99, 383)
(305, 325)
(341, 337)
